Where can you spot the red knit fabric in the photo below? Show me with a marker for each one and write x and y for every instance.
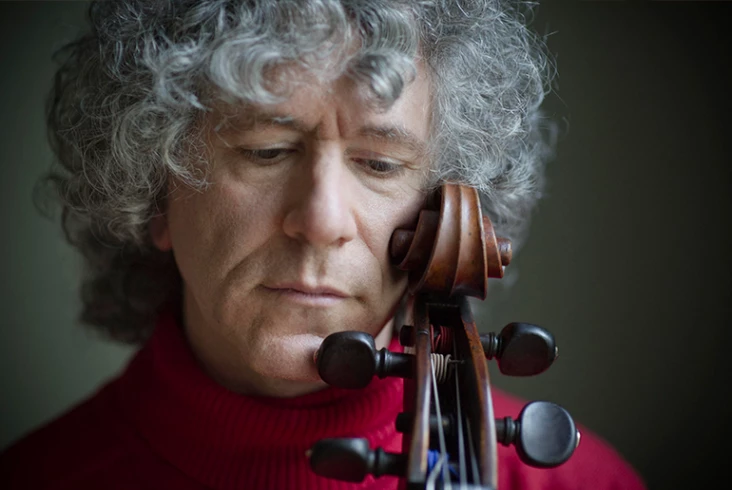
(163, 424)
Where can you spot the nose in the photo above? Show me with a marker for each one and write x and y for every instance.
(321, 210)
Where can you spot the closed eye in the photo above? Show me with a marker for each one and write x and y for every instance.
(380, 167)
(267, 155)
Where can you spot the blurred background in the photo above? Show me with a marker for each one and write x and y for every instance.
(627, 261)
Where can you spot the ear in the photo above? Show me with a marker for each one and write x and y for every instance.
(160, 233)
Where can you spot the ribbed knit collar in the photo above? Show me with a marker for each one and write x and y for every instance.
(226, 441)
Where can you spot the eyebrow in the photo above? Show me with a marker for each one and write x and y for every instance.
(392, 134)
(398, 135)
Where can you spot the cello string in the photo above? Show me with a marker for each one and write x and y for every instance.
(432, 477)
(440, 430)
(459, 420)
(473, 459)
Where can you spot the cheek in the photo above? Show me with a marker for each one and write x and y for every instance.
(387, 216)
(213, 230)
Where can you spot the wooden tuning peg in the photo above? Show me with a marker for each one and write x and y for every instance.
(521, 349)
(351, 459)
(545, 435)
(350, 360)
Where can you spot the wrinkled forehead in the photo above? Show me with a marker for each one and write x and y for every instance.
(289, 86)
(314, 106)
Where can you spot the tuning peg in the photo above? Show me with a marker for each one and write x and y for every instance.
(351, 459)
(350, 360)
(545, 435)
(521, 349)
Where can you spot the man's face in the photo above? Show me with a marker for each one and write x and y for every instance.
(290, 242)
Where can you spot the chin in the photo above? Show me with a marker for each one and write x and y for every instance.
(288, 358)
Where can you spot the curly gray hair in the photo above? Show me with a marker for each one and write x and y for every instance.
(124, 110)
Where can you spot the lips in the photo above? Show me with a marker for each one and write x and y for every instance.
(307, 291)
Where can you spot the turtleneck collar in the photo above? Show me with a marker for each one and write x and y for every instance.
(225, 440)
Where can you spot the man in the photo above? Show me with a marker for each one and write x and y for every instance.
(232, 173)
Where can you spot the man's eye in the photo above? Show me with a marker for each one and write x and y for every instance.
(381, 167)
(269, 155)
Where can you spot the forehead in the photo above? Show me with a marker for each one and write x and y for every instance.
(340, 105)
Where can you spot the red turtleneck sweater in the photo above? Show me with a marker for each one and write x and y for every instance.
(163, 424)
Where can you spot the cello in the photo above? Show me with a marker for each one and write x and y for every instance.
(450, 434)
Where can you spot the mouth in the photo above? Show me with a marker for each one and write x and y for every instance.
(307, 294)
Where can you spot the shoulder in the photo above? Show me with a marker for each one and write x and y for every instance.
(594, 464)
(81, 448)
(53, 453)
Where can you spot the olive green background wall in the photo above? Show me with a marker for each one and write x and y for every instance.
(627, 262)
